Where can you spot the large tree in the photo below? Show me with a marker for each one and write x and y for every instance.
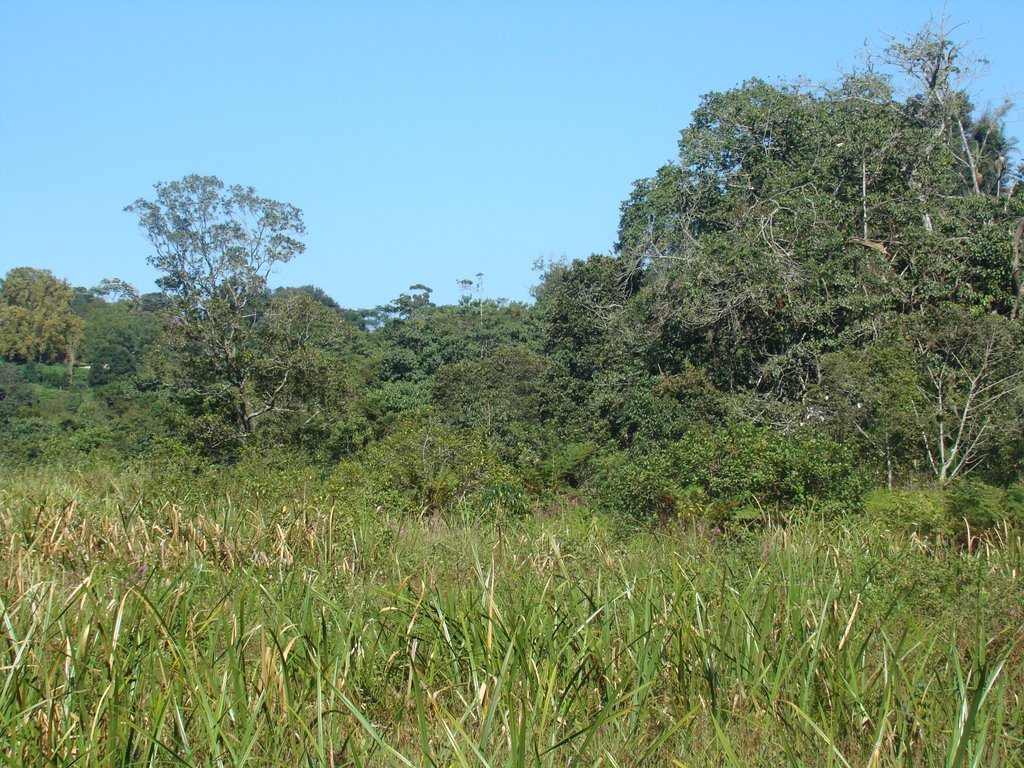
(799, 227)
(227, 348)
(36, 320)
(796, 216)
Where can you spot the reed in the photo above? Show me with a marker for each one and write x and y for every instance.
(137, 631)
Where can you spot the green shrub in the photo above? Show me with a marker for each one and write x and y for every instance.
(396, 397)
(559, 465)
(499, 499)
(175, 471)
(52, 376)
(981, 505)
(921, 511)
(27, 439)
(751, 471)
(15, 393)
(267, 477)
(735, 473)
(760, 466)
(1013, 504)
(637, 484)
(421, 466)
(109, 363)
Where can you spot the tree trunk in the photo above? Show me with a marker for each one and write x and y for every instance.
(888, 462)
(1015, 276)
(72, 354)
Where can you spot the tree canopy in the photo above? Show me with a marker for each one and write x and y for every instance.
(36, 321)
(826, 282)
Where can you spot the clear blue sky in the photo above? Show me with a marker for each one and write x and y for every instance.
(425, 142)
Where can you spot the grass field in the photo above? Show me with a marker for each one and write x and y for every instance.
(148, 623)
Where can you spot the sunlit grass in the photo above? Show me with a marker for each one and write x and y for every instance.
(137, 631)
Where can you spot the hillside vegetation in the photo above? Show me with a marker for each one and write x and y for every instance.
(746, 490)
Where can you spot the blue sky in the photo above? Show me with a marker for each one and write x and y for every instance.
(425, 142)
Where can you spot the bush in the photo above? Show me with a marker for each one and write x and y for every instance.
(175, 472)
(920, 511)
(1013, 504)
(734, 473)
(52, 376)
(637, 484)
(421, 466)
(562, 464)
(982, 506)
(26, 440)
(15, 393)
(109, 363)
(499, 499)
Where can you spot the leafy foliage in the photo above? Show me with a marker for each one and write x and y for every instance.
(15, 394)
(630, 524)
(215, 249)
(825, 286)
(734, 473)
(36, 321)
(421, 466)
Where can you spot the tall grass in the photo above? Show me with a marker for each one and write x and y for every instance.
(222, 631)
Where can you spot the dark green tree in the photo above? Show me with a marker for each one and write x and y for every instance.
(15, 393)
(117, 337)
(503, 395)
(796, 216)
(874, 397)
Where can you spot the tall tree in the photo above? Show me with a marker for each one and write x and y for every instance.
(216, 246)
(795, 216)
(36, 320)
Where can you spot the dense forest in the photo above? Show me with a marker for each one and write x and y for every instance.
(823, 293)
(746, 490)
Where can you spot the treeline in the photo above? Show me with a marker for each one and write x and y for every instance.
(822, 293)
